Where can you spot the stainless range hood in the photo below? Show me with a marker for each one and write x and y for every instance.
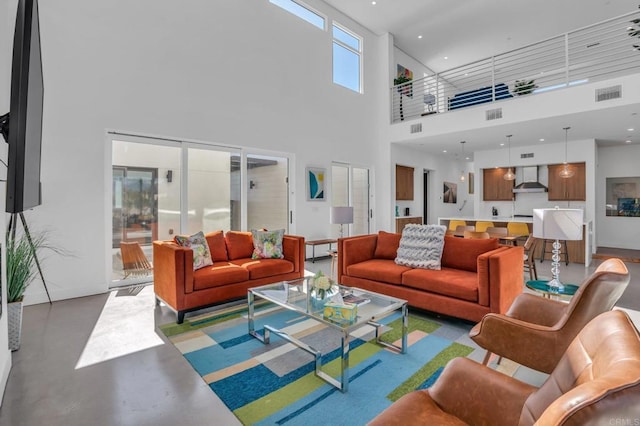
(530, 181)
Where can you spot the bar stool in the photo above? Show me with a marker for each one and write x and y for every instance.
(563, 254)
(453, 224)
(482, 226)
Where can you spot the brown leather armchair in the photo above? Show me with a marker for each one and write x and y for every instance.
(536, 331)
(596, 382)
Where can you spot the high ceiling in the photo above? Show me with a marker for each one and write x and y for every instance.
(468, 30)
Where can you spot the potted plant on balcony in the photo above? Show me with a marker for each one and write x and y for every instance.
(21, 270)
(406, 89)
(524, 87)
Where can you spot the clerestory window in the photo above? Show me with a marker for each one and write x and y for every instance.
(301, 11)
(347, 58)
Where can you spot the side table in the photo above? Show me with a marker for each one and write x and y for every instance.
(542, 286)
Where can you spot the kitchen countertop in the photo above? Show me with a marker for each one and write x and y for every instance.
(495, 219)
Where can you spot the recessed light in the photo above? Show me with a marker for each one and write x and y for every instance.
(446, 57)
(630, 129)
(502, 144)
(466, 158)
(627, 141)
(444, 150)
(419, 36)
(373, 3)
(541, 139)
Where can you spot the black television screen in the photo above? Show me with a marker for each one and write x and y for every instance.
(25, 114)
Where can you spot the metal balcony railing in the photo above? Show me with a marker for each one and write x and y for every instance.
(601, 51)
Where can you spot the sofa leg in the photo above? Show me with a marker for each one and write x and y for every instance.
(180, 317)
(486, 359)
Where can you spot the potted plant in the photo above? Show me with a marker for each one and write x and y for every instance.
(21, 270)
(406, 89)
(524, 87)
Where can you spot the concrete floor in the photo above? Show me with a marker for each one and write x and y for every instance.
(100, 360)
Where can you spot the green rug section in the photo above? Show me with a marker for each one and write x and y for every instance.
(415, 323)
(453, 351)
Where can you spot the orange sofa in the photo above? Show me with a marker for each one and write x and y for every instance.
(233, 271)
(476, 276)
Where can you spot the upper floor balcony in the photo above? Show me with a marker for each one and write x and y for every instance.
(598, 52)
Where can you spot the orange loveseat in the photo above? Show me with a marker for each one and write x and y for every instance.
(233, 271)
(476, 276)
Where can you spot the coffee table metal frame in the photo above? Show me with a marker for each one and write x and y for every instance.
(296, 298)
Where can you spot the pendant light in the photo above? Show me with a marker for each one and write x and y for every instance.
(462, 172)
(509, 175)
(566, 171)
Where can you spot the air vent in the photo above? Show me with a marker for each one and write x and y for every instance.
(416, 128)
(607, 93)
(526, 155)
(494, 114)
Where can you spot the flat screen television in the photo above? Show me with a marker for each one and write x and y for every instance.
(22, 127)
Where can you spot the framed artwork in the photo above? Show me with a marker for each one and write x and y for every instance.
(315, 184)
(471, 182)
(623, 196)
(450, 193)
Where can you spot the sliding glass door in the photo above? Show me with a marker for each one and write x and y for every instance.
(350, 187)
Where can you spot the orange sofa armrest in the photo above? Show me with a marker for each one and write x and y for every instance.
(484, 289)
(352, 250)
(293, 250)
(506, 278)
(172, 272)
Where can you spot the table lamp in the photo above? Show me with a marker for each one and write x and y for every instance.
(341, 216)
(557, 224)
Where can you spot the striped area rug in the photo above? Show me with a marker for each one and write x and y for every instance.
(275, 384)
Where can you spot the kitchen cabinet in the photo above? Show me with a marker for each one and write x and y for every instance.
(494, 187)
(404, 182)
(401, 222)
(567, 189)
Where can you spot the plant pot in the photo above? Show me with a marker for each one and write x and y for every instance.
(15, 324)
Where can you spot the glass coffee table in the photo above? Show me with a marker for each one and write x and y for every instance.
(294, 296)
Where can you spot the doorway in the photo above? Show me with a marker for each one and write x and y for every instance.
(425, 196)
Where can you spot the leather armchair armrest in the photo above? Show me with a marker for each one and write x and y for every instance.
(479, 395)
(537, 310)
(530, 344)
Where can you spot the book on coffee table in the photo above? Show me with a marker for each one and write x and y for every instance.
(357, 300)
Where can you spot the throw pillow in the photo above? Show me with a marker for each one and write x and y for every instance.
(239, 244)
(267, 244)
(387, 245)
(421, 246)
(217, 246)
(462, 253)
(198, 243)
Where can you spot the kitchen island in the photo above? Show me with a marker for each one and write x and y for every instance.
(579, 251)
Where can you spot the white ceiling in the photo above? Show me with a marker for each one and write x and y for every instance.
(468, 30)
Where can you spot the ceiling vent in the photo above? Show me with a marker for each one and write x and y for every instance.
(607, 93)
(416, 128)
(494, 114)
(526, 155)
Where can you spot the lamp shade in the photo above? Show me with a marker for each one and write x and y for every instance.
(341, 215)
(557, 224)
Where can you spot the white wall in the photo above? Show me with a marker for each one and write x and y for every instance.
(241, 73)
(622, 232)
(440, 169)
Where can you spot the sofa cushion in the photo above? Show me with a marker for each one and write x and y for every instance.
(239, 244)
(198, 243)
(462, 253)
(421, 246)
(222, 273)
(217, 246)
(263, 268)
(387, 245)
(455, 283)
(267, 244)
(384, 270)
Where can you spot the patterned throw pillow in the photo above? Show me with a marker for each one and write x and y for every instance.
(267, 244)
(421, 246)
(198, 243)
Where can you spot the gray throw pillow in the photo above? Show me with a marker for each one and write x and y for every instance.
(421, 246)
